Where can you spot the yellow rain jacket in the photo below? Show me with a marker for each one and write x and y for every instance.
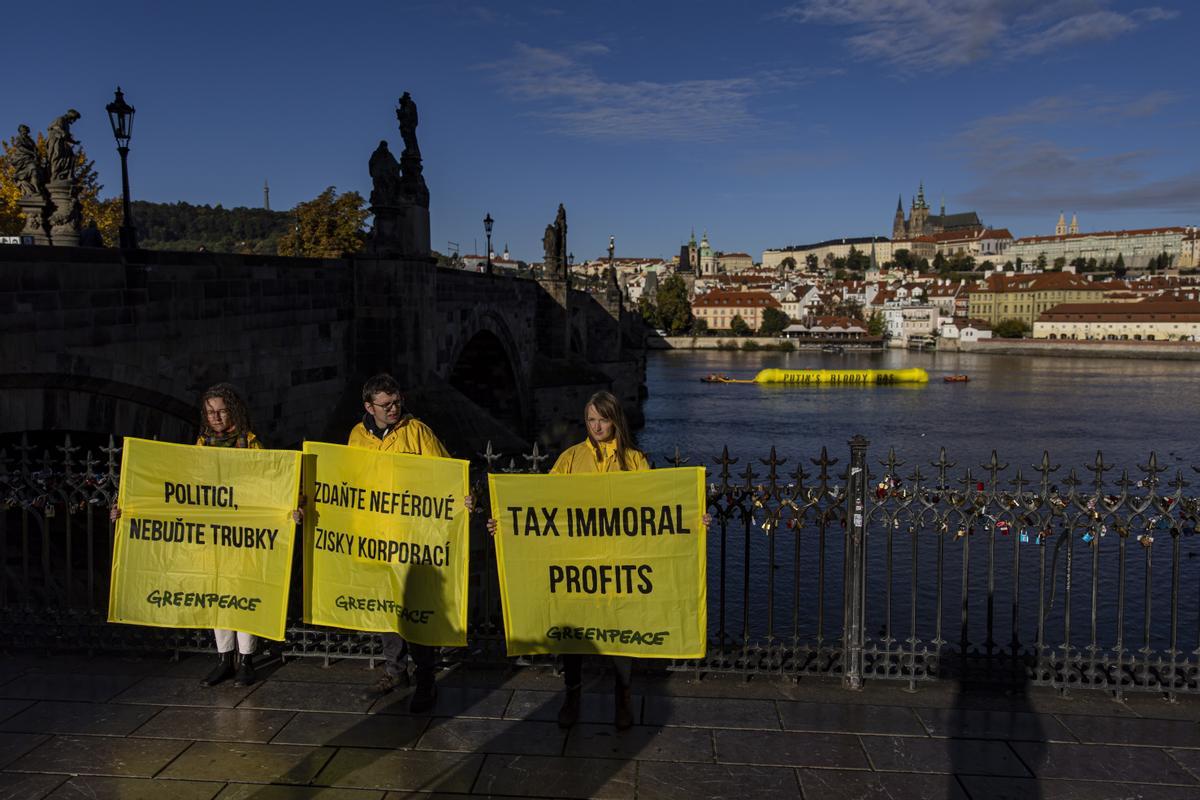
(409, 435)
(601, 457)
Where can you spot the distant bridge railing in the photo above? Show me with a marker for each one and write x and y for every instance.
(1086, 578)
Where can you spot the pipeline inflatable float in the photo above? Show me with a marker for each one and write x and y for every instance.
(830, 377)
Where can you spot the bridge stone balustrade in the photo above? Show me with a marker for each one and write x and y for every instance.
(96, 340)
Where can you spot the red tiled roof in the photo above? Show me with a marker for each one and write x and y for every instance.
(1178, 310)
(723, 298)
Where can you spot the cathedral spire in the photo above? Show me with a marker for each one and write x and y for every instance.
(1061, 228)
(900, 203)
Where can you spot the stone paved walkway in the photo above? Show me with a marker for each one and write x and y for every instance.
(110, 727)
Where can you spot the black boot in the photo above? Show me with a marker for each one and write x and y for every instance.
(424, 697)
(568, 715)
(245, 671)
(221, 672)
(623, 707)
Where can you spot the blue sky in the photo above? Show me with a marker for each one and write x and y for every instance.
(765, 124)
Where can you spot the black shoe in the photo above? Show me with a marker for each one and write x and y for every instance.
(424, 696)
(223, 671)
(568, 715)
(623, 708)
(245, 671)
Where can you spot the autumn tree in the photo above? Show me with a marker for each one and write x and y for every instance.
(328, 226)
(105, 213)
(674, 310)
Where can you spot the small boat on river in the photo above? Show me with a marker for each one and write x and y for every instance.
(956, 378)
(714, 377)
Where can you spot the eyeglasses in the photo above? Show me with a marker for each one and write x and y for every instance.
(392, 406)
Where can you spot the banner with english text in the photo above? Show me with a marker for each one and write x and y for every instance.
(385, 543)
(609, 563)
(205, 537)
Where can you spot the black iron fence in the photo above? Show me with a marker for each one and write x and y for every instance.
(854, 567)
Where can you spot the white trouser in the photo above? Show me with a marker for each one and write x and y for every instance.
(246, 642)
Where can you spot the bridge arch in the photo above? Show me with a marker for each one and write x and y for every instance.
(77, 403)
(485, 368)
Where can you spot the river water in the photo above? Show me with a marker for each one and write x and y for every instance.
(1018, 407)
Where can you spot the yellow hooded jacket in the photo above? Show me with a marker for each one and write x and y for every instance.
(601, 457)
(409, 435)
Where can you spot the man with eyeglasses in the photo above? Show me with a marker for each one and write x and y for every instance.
(385, 427)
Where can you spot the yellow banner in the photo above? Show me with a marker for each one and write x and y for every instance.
(610, 563)
(205, 537)
(385, 545)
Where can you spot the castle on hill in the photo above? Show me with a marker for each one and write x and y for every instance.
(921, 223)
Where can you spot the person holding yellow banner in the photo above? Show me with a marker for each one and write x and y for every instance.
(225, 422)
(385, 427)
(610, 447)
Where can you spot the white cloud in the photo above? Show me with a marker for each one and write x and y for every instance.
(1018, 168)
(572, 98)
(917, 35)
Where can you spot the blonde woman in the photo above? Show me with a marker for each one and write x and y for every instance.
(609, 447)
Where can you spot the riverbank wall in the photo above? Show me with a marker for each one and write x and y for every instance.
(1164, 351)
(739, 342)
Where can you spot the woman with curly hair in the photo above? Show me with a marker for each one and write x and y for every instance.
(225, 422)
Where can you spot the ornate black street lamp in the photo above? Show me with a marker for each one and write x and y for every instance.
(487, 228)
(120, 115)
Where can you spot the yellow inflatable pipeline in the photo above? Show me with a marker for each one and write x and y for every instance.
(841, 377)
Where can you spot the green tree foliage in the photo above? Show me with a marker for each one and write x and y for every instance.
(941, 264)
(1011, 329)
(1059, 263)
(699, 327)
(674, 310)
(648, 311)
(1041, 261)
(738, 326)
(773, 322)
(903, 259)
(1119, 269)
(875, 325)
(788, 263)
(811, 262)
(857, 261)
(105, 213)
(328, 226)
(183, 227)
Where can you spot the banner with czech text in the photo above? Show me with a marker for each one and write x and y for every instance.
(205, 537)
(385, 546)
(609, 563)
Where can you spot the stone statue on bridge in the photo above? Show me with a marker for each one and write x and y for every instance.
(406, 115)
(29, 174)
(66, 215)
(385, 176)
(399, 196)
(413, 183)
(554, 245)
(60, 147)
(28, 170)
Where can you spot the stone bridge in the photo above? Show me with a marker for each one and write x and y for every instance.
(105, 341)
